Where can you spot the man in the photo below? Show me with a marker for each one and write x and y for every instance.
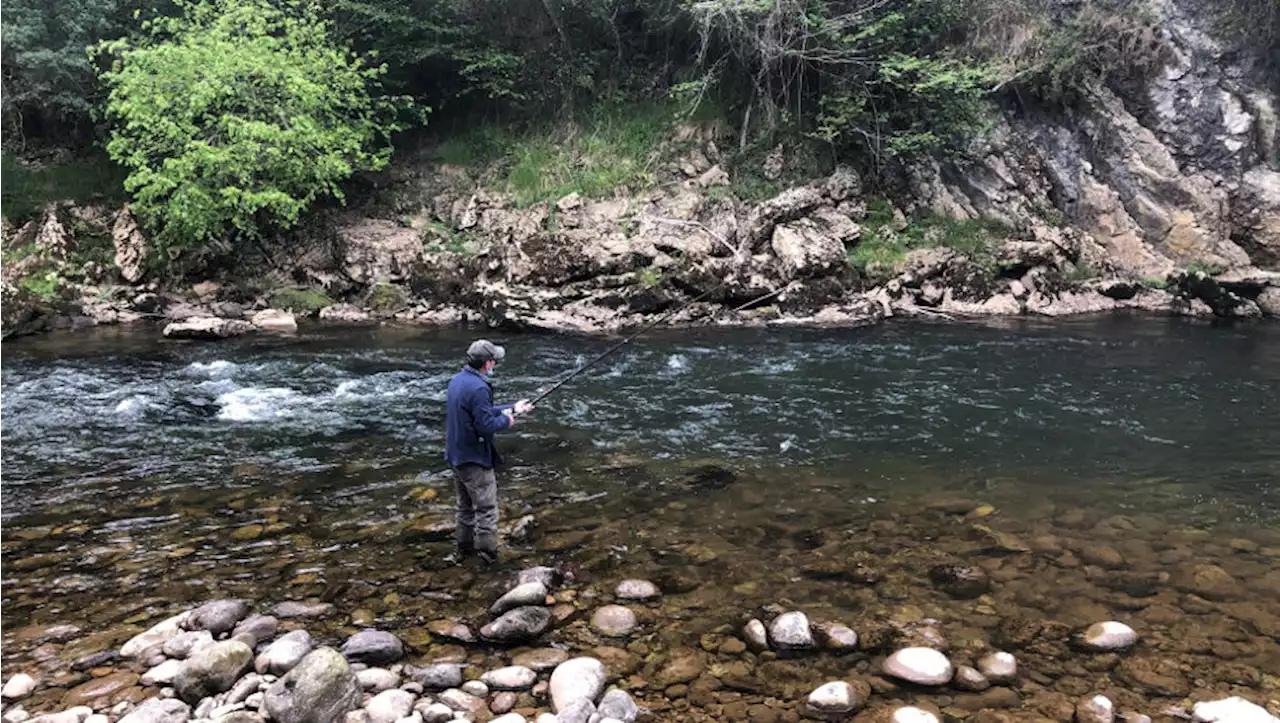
(471, 421)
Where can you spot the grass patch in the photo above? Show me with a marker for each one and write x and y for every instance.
(883, 248)
(26, 189)
(650, 277)
(1155, 282)
(1199, 267)
(43, 284)
(613, 147)
(300, 301)
(439, 237)
(1080, 272)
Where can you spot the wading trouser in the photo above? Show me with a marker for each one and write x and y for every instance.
(477, 508)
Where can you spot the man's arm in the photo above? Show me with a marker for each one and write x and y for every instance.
(488, 418)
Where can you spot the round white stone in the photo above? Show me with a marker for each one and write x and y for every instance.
(574, 679)
(637, 590)
(999, 668)
(1109, 636)
(1097, 709)
(1231, 710)
(911, 714)
(791, 630)
(757, 637)
(19, 686)
(512, 677)
(923, 666)
(834, 697)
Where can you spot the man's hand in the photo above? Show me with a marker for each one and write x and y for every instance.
(510, 414)
(523, 407)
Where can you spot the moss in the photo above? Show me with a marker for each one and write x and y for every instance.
(1155, 282)
(1200, 267)
(386, 298)
(300, 301)
(44, 284)
(882, 248)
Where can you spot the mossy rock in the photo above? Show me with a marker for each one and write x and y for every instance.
(303, 302)
(386, 299)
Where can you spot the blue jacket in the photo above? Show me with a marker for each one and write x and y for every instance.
(471, 421)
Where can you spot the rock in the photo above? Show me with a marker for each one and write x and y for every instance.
(373, 647)
(437, 677)
(100, 718)
(618, 704)
(255, 630)
(580, 710)
(834, 697)
(275, 320)
(218, 616)
(207, 328)
(15, 714)
(1231, 710)
(377, 680)
(157, 634)
(389, 706)
(293, 609)
(159, 710)
(437, 713)
(529, 593)
(462, 701)
(130, 246)
(213, 670)
(283, 654)
(240, 716)
(812, 246)
(513, 677)
(963, 582)
(245, 687)
(1153, 676)
(182, 645)
(837, 637)
(1103, 556)
(999, 668)
(475, 688)
(614, 621)
(503, 702)
(97, 689)
(576, 678)
(911, 714)
(755, 634)
(164, 673)
(1108, 636)
(545, 575)
(923, 666)
(519, 625)
(1208, 581)
(75, 715)
(541, 659)
(320, 689)
(967, 678)
(451, 630)
(345, 314)
(637, 590)
(1097, 709)
(790, 631)
(18, 687)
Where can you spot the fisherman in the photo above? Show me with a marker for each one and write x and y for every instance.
(471, 421)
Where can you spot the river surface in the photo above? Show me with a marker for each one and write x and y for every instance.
(736, 468)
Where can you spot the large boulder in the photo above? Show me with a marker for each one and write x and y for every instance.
(207, 328)
(320, 689)
(376, 250)
(131, 246)
(212, 670)
(814, 245)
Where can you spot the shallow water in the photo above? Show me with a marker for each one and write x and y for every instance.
(737, 469)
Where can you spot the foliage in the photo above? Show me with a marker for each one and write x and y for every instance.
(1200, 267)
(884, 247)
(1080, 272)
(1155, 282)
(650, 277)
(45, 284)
(28, 188)
(236, 115)
(300, 301)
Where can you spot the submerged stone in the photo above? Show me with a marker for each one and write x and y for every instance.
(923, 666)
(790, 631)
(1108, 636)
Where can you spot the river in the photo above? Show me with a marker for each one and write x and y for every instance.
(738, 469)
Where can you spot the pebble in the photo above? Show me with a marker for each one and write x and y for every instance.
(476, 688)
(541, 659)
(580, 710)
(15, 714)
(999, 668)
(923, 666)
(213, 670)
(574, 679)
(1131, 717)
(503, 702)
(513, 677)
(529, 593)
(244, 688)
(508, 718)
(183, 645)
(911, 714)
(1109, 636)
(637, 590)
(614, 621)
(1230, 710)
(255, 630)
(791, 631)
(163, 674)
(438, 676)
(157, 634)
(970, 679)
(755, 634)
(518, 625)
(286, 652)
(414, 717)
(294, 609)
(18, 687)
(389, 706)
(376, 680)
(373, 647)
(837, 637)
(1097, 709)
(461, 701)
(546, 718)
(545, 575)
(834, 697)
(218, 616)
(437, 713)
(619, 705)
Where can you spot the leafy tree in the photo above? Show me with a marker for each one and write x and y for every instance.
(234, 116)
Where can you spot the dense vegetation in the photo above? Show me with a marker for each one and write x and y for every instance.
(231, 117)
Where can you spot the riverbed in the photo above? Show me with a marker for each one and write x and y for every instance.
(1095, 469)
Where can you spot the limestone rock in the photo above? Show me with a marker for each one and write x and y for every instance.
(790, 631)
(970, 679)
(619, 705)
(923, 666)
(320, 689)
(207, 328)
(275, 320)
(130, 245)
(212, 670)
(837, 637)
(577, 678)
(373, 647)
(755, 634)
(284, 653)
(911, 714)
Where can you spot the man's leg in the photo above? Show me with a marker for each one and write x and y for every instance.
(466, 515)
(482, 486)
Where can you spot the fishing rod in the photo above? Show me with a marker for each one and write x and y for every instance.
(624, 342)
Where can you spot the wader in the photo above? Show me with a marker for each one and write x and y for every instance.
(477, 511)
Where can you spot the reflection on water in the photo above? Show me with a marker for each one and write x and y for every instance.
(827, 471)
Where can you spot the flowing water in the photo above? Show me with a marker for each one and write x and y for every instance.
(1095, 469)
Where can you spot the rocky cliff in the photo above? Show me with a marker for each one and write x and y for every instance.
(1162, 195)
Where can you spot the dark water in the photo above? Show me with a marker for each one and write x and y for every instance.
(722, 463)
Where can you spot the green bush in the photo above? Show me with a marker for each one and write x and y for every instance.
(235, 116)
(883, 248)
(300, 301)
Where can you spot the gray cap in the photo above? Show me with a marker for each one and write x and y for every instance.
(484, 350)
